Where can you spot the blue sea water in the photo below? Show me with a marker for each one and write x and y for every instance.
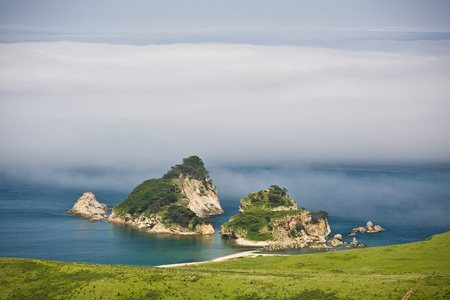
(412, 202)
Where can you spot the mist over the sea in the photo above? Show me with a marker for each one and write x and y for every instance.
(416, 193)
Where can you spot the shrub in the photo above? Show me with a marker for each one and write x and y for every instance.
(192, 167)
(179, 215)
(317, 216)
(176, 214)
(149, 197)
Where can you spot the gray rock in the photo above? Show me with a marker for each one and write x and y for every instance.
(88, 207)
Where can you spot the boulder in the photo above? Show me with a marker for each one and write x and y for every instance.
(360, 229)
(338, 236)
(378, 228)
(369, 226)
(336, 242)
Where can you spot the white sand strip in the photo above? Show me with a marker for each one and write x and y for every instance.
(235, 255)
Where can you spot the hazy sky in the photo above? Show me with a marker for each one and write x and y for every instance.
(141, 84)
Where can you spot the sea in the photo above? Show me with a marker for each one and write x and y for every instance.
(410, 201)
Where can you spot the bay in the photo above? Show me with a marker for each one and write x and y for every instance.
(411, 202)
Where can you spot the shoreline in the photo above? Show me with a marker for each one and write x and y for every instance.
(252, 253)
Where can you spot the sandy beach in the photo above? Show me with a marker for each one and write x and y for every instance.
(253, 253)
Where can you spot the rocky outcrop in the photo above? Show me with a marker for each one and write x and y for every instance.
(270, 219)
(370, 228)
(355, 243)
(176, 203)
(203, 199)
(336, 241)
(155, 224)
(291, 231)
(88, 207)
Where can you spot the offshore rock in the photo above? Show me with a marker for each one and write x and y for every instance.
(336, 241)
(88, 207)
(370, 228)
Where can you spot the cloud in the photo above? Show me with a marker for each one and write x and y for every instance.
(67, 104)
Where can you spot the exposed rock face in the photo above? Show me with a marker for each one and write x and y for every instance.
(286, 234)
(279, 224)
(369, 228)
(156, 225)
(202, 200)
(88, 207)
(336, 241)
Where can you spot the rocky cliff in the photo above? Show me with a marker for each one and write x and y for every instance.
(88, 207)
(270, 218)
(176, 203)
(203, 199)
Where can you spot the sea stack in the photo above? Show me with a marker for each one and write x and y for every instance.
(88, 207)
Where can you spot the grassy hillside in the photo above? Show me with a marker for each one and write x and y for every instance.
(371, 273)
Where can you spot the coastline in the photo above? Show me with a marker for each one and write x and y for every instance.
(252, 253)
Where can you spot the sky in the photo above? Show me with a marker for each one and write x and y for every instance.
(135, 86)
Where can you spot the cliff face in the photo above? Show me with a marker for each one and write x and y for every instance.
(88, 207)
(176, 203)
(203, 199)
(266, 223)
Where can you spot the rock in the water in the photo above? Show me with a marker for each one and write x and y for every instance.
(336, 240)
(369, 228)
(88, 207)
(338, 236)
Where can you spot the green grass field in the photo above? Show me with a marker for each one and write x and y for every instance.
(371, 273)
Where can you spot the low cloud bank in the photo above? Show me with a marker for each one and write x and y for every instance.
(72, 105)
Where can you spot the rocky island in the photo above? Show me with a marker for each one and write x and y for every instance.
(370, 228)
(270, 218)
(177, 203)
(88, 207)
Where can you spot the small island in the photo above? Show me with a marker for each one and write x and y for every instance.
(370, 228)
(270, 218)
(88, 207)
(177, 203)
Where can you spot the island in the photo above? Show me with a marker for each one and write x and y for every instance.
(177, 203)
(270, 218)
(88, 207)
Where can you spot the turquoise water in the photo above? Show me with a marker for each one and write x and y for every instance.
(410, 202)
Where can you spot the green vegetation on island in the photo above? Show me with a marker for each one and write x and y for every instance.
(421, 269)
(268, 199)
(192, 167)
(271, 215)
(164, 197)
(150, 197)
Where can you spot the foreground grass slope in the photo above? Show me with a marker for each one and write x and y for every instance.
(371, 273)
